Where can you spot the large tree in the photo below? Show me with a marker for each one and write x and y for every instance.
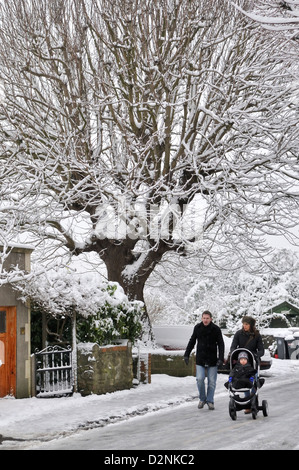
(118, 115)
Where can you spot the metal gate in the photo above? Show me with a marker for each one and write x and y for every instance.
(53, 372)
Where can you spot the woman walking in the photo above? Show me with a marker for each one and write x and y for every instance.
(248, 337)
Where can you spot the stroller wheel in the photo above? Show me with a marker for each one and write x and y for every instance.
(232, 410)
(254, 407)
(265, 407)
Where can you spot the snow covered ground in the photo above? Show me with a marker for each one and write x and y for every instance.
(29, 421)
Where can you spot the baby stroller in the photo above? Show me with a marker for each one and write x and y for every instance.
(246, 398)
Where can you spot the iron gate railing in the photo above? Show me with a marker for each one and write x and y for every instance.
(53, 372)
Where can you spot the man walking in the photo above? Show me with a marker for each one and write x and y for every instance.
(209, 356)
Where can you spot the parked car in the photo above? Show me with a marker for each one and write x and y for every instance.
(266, 360)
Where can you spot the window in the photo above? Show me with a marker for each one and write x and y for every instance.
(2, 321)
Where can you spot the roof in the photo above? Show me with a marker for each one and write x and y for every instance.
(285, 305)
(19, 247)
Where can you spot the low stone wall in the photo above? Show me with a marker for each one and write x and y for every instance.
(104, 369)
(172, 363)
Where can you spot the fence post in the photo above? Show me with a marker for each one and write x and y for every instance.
(33, 375)
(74, 352)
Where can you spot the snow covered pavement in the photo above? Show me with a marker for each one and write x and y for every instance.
(36, 420)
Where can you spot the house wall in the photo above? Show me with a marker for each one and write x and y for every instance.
(19, 256)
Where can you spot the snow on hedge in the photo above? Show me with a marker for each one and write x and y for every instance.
(64, 290)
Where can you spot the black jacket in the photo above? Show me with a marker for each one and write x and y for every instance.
(252, 342)
(209, 343)
(241, 375)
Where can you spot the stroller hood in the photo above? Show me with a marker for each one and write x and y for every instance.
(234, 357)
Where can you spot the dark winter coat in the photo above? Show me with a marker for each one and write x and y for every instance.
(210, 344)
(251, 341)
(241, 375)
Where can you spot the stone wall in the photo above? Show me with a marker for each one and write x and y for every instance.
(104, 369)
(172, 364)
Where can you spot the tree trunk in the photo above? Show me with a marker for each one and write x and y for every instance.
(119, 271)
(129, 270)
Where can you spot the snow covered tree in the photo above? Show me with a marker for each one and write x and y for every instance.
(277, 15)
(119, 118)
(232, 295)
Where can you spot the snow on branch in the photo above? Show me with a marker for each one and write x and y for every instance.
(283, 22)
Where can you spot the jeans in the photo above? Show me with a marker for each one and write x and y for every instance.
(211, 374)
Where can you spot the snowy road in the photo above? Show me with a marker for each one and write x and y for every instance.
(185, 427)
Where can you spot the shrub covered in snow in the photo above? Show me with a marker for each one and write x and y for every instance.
(112, 321)
(104, 313)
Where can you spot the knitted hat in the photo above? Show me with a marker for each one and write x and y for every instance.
(242, 354)
(249, 320)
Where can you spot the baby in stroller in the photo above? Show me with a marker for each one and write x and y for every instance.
(244, 384)
(243, 374)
